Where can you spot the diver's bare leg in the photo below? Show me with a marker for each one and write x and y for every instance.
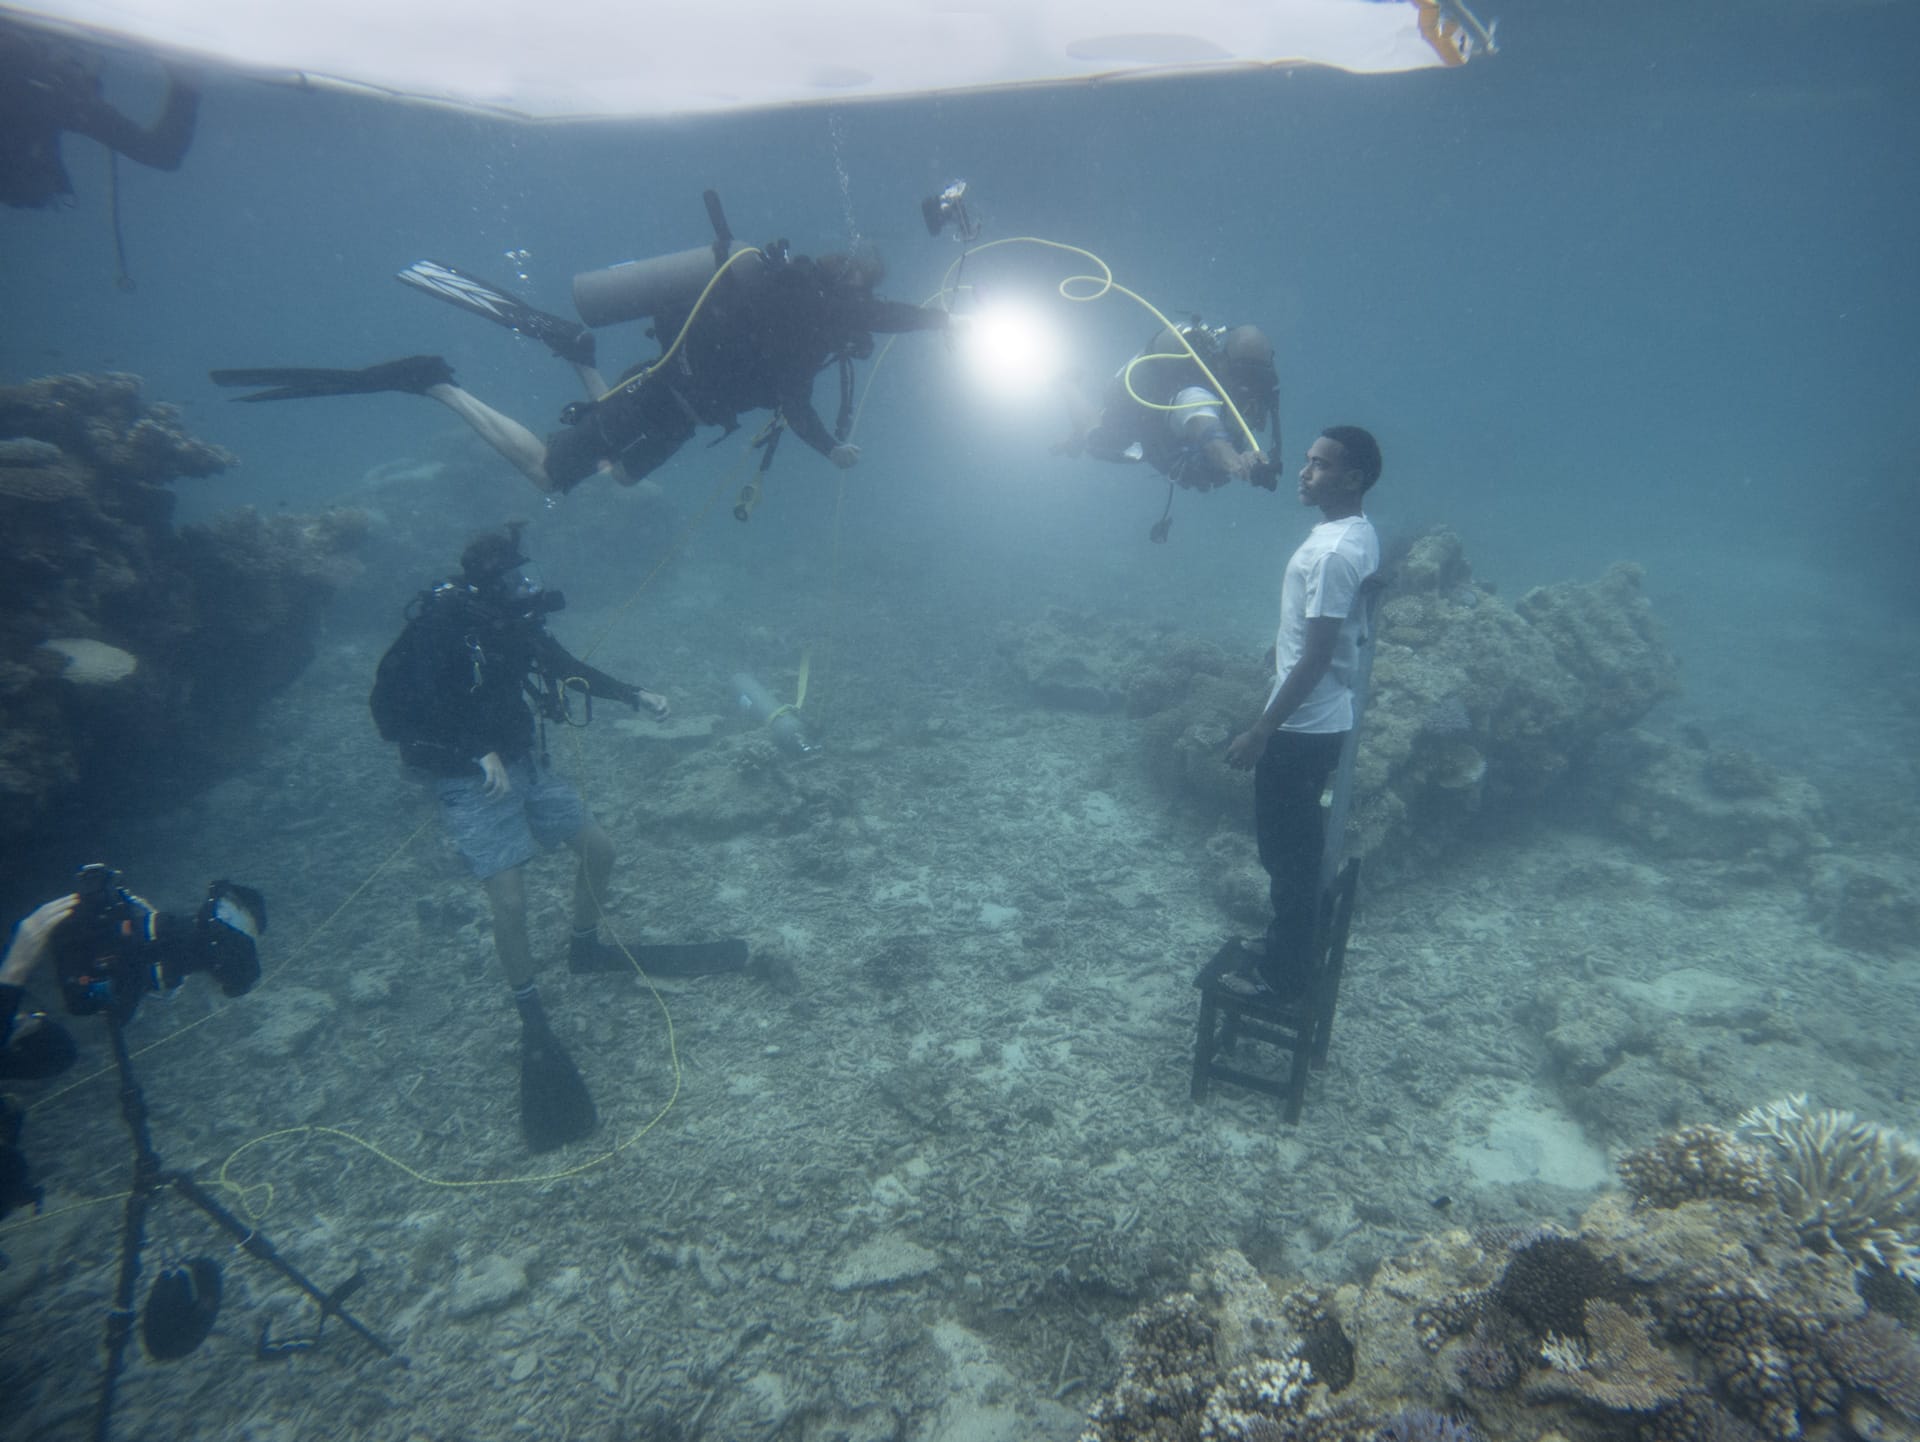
(522, 447)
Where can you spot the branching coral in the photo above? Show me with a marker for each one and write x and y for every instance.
(1696, 1417)
(1164, 1381)
(1849, 1186)
(1250, 1403)
(1620, 1368)
(1766, 1354)
(1694, 1164)
(1877, 1355)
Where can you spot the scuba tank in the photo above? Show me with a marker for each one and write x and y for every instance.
(783, 721)
(635, 289)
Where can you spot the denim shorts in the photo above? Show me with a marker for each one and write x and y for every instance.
(508, 831)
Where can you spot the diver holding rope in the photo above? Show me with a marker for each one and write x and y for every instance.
(740, 328)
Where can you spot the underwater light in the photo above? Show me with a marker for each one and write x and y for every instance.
(1011, 350)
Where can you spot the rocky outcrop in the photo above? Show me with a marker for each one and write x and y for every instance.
(133, 655)
(1475, 703)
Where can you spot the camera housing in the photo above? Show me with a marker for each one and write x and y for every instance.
(116, 948)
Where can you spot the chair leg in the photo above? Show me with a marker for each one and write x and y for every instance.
(1203, 1048)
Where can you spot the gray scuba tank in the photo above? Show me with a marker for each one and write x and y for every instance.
(782, 721)
(635, 289)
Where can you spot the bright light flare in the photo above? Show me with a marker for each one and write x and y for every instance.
(1012, 351)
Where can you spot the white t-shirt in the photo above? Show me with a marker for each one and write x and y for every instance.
(1323, 579)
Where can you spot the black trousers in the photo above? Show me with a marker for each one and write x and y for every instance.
(641, 427)
(1291, 829)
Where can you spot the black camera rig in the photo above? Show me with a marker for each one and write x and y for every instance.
(116, 948)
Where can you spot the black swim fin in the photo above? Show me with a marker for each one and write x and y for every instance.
(566, 339)
(687, 958)
(412, 374)
(555, 1105)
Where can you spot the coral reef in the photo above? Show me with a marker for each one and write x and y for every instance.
(1696, 1312)
(1172, 1388)
(1478, 702)
(1694, 1164)
(1474, 701)
(1848, 1185)
(1865, 903)
(132, 656)
(1076, 660)
(1688, 798)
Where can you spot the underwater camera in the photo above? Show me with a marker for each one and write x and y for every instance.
(949, 208)
(116, 948)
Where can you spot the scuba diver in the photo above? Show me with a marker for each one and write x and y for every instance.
(452, 692)
(48, 88)
(1161, 408)
(739, 331)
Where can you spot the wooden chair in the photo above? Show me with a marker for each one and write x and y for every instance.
(1299, 1029)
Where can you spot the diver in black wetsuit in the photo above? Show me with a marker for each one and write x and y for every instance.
(47, 89)
(759, 349)
(757, 342)
(1160, 409)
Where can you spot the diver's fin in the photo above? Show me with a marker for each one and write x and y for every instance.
(555, 1106)
(569, 341)
(412, 374)
(687, 958)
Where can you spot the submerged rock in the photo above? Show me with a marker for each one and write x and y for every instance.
(91, 663)
(133, 657)
(883, 1261)
(1475, 702)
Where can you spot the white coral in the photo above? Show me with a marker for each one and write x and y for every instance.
(1250, 1400)
(1564, 1354)
(1848, 1185)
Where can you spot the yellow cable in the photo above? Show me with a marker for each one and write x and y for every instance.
(1102, 284)
(641, 377)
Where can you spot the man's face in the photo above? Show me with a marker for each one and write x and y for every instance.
(1326, 476)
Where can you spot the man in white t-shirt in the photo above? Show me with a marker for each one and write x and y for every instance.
(1296, 743)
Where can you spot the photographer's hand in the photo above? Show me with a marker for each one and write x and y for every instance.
(30, 939)
(498, 782)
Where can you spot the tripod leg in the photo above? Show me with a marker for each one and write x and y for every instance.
(255, 1244)
(120, 1316)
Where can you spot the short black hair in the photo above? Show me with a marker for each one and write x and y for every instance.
(491, 553)
(1361, 450)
